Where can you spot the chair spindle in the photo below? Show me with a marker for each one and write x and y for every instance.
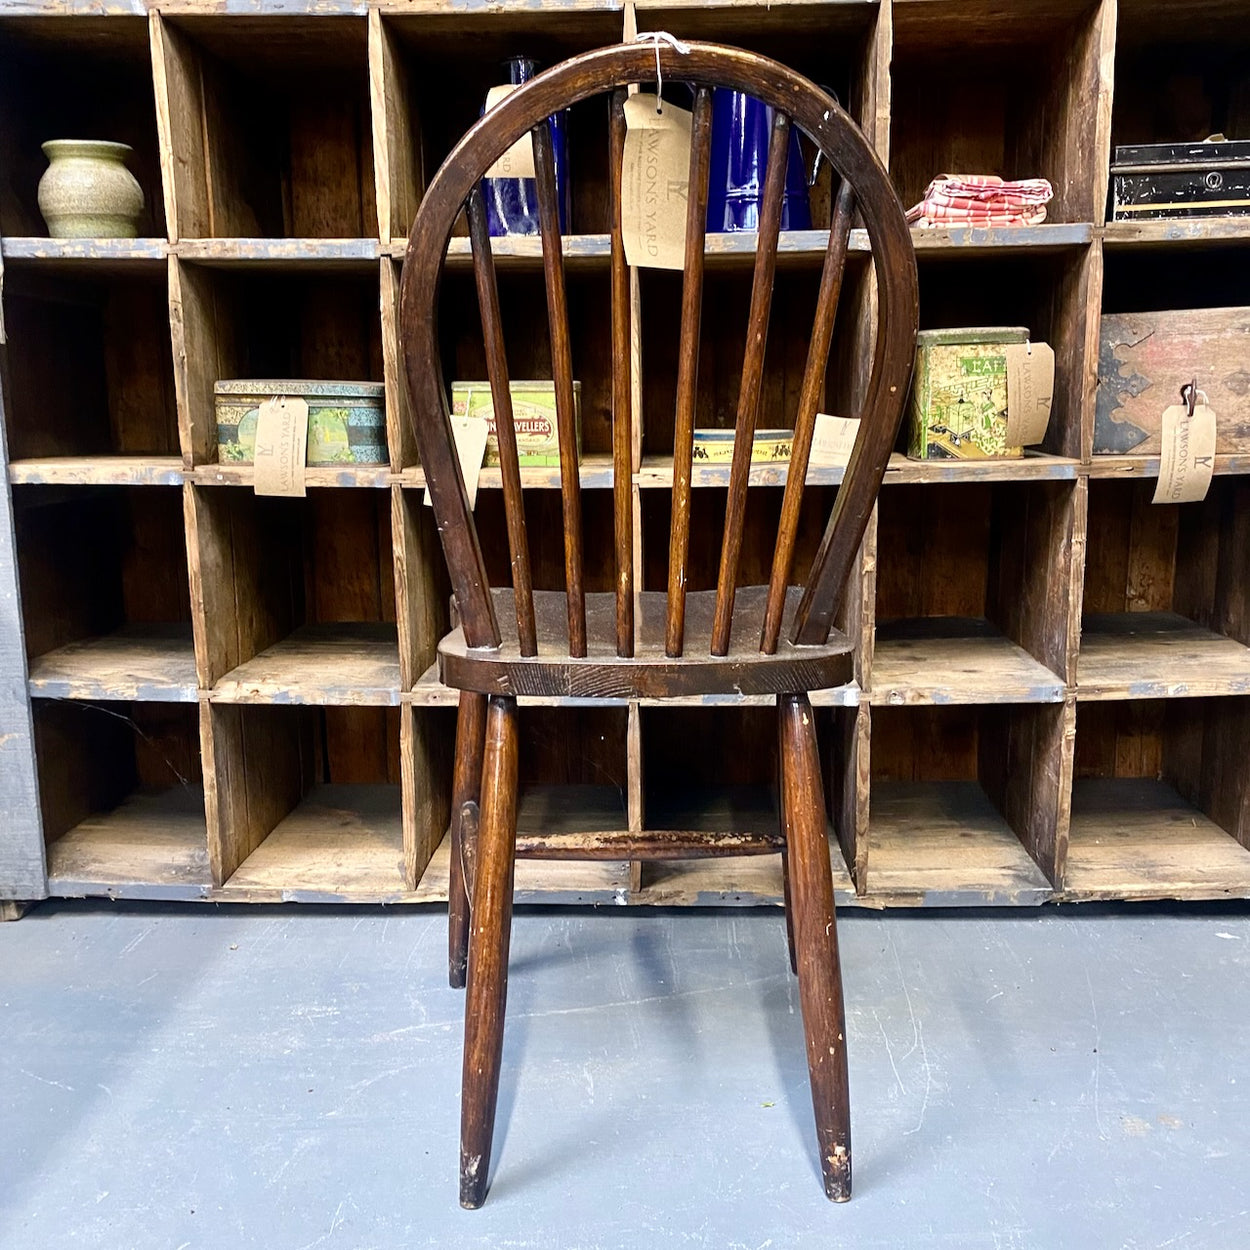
(752, 375)
(805, 419)
(622, 443)
(688, 370)
(501, 398)
(562, 373)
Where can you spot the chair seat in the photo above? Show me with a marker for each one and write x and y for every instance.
(649, 674)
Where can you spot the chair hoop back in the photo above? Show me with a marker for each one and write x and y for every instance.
(865, 189)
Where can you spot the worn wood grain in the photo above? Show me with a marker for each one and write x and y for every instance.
(1136, 838)
(151, 663)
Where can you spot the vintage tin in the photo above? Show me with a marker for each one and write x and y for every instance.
(767, 447)
(533, 417)
(346, 420)
(958, 408)
(1181, 180)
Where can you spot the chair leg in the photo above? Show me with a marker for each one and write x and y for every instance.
(816, 940)
(490, 926)
(786, 902)
(466, 788)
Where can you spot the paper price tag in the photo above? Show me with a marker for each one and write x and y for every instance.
(1030, 389)
(470, 435)
(833, 440)
(281, 446)
(1188, 454)
(655, 181)
(518, 160)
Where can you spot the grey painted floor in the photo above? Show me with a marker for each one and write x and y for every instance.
(199, 1077)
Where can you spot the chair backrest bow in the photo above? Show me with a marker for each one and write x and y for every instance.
(864, 189)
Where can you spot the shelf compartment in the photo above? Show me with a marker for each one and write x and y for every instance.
(152, 846)
(1137, 838)
(1151, 655)
(267, 122)
(344, 664)
(968, 804)
(995, 552)
(121, 799)
(979, 90)
(88, 78)
(150, 663)
(97, 471)
(267, 567)
(316, 777)
(951, 659)
(105, 597)
(255, 323)
(432, 77)
(1166, 601)
(1048, 292)
(1161, 801)
(945, 844)
(341, 844)
(91, 389)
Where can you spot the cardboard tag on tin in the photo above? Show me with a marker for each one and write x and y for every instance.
(470, 434)
(1188, 454)
(518, 160)
(833, 440)
(655, 182)
(1030, 389)
(281, 446)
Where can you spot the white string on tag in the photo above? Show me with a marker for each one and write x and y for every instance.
(655, 38)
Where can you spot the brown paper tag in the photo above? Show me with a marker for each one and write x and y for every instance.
(470, 434)
(1188, 456)
(1030, 388)
(281, 445)
(833, 440)
(518, 160)
(655, 179)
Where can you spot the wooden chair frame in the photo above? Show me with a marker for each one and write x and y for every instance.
(770, 640)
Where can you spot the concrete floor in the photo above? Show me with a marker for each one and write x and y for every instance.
(182, 1077)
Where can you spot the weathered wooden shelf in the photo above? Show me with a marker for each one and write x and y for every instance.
(594, 473)
(147, 663)
(1139, 839)
(348, 664)
(1002, 240)
(342, 844)
(316, 477)
(944, 844)
(1157, 655)
(98, 471)
(956, 660)
(152, 846)
(85, 256)
(300, 255)
(1177, 233)
(1148, 466)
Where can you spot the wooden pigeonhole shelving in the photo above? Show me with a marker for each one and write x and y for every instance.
(209, 695)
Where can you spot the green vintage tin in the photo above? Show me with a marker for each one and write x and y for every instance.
(346, 420)
(958, 408)
(533, 417)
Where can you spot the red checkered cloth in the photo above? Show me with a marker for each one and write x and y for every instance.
(982, 200)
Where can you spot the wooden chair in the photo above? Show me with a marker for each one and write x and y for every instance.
(774, 640)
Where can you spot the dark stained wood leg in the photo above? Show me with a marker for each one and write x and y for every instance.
(816, 940)
(490, 928)
(466, 788)
(787, 904)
